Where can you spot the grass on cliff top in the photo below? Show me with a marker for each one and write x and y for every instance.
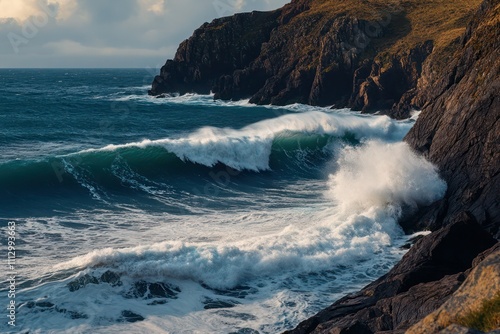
(486, 319)
(439, 20)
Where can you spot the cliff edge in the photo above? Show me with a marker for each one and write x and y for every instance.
(459, 127)
(367, 55)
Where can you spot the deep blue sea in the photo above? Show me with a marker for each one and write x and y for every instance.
(136, 214)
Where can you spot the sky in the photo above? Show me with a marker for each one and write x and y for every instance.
(105, 33)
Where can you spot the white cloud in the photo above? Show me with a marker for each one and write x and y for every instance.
(72, 48)
(155, 6)
(76, 31)
(22, 10)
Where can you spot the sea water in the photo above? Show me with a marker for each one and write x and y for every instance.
(136, 214)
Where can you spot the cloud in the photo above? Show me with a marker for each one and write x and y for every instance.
(85, 33)
(153, 6)
(72, 48)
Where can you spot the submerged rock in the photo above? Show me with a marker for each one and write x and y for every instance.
(218, 303)
(129, 316)
(81, 282)
(146, 290)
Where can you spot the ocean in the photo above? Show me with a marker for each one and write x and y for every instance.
(136, 214)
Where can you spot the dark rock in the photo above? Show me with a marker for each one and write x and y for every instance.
(158, 302)
(421, 282)
(215, 304)
(299, 54)
(72, 314)
(459, 128)
(81, 282)
(240, 291)
(41, 304)
(129, 316)
(245, 331)
(215, 50)
(237, 315)
(146, 290)
(44, 304)
(112, 278)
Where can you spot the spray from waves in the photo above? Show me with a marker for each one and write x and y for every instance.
(250, 147)
(378, 174)
(354, 231)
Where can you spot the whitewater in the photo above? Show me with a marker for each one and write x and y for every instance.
(194, 216)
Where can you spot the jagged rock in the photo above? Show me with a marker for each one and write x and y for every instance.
(360, 54)
(130, 316)
(215, 50)
(146, 290)
(459, 128)
(112, 278)
(421, 282)
(482, 284)
(81, 282)
(240, 291)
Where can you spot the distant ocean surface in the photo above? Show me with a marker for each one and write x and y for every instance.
(183, 215)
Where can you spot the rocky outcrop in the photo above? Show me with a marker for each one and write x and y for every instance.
(433, 269)
(367, 55)
(459, 128)
(214, 50)
(482, 284)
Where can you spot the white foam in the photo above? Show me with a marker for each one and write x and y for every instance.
(379, 174)
(250, 147)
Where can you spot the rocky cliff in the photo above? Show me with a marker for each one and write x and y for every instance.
(482, 284)
(459, 128)
(367, 55)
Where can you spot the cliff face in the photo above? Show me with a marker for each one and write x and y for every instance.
(214, 50)
(482, 284)
(459, 128)
(368, 55)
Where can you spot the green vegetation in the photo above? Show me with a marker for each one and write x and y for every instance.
(486, 319)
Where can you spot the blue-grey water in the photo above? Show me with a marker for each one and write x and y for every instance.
(187, 215)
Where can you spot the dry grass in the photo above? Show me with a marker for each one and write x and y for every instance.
(439, 20)
(486, 319)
